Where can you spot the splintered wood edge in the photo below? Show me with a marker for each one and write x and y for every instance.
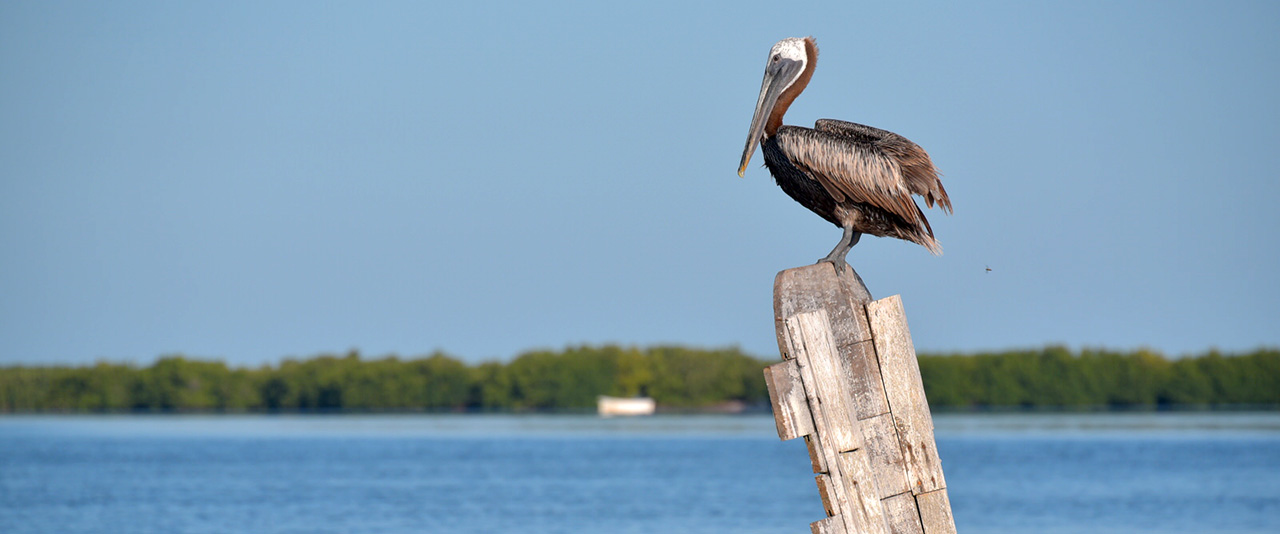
(830, 525)
(905, 392)
(826, 491)
(815, 453)
(786, 395)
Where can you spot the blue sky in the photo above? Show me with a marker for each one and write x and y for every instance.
(251, 181)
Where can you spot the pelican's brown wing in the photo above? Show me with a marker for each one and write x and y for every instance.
(852, 169)
(915, 166)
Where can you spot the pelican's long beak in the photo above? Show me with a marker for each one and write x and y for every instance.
(778, 75)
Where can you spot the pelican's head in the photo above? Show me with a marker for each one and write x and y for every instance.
(788, 69)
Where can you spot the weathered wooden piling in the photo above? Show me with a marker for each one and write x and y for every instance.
(849, 384)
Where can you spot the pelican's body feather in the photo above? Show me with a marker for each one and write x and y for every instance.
(865, 178)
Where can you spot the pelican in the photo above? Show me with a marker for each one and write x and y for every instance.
(856, 177)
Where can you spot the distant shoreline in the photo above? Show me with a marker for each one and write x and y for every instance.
(681, 380)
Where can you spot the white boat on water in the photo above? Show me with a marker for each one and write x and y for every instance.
(625, 405)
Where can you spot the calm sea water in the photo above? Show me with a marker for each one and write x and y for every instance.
(1057, 473)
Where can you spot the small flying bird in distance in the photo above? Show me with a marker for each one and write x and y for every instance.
(858, 178)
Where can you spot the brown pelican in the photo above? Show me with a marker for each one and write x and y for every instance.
(856, 177)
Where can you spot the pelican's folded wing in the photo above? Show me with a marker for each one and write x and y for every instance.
(851, 169)
(916, 168)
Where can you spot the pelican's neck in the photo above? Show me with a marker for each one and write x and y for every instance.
(790, 93)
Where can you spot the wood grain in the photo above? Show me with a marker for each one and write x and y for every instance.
(786, 395)
(816, 287)
(905, 392)
(904, 518)
(935, 512)
(881, 438)
(849, 384)
(830, 525)
(827, 492)
(868, 514)
(815, 453)
(808, 340)
(811, 341)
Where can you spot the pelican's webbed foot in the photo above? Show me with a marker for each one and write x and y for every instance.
(837, 255)
(839, 264)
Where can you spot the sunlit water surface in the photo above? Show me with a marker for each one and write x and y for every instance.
(1006, 473)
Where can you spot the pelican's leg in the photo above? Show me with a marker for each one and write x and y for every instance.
(847, 241)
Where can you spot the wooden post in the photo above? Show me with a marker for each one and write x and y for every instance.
(849, 384)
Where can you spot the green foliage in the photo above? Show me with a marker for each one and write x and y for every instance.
(674, 376)
(1054, 377)
(687, 377)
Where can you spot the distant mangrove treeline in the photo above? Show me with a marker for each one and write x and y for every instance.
(676, 377)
